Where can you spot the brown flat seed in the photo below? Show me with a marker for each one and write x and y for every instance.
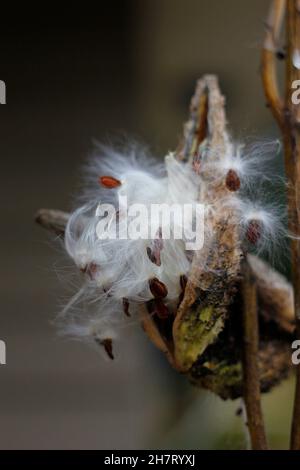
(150, 254)
(108, 346)
(154, 251)
(232, 182)
(253, 233)
(154, 256)
(161, 309)
(126, 307)
(109, 182)
(158, 288)
(158, 241)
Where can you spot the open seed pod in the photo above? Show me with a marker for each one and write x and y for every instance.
(202, 338)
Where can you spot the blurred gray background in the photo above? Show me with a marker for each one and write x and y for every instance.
(73, 76)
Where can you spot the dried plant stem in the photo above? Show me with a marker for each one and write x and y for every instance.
(292, 164)
(250, 363)
(288, 119)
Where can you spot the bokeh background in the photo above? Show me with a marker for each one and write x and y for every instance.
(96, 71)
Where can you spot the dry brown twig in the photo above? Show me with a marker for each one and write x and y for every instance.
(250, 364)
(287, 115)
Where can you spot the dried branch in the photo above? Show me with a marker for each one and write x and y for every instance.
(292, 164)
(250, 363)
(288, 118)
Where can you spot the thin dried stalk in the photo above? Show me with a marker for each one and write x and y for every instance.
(292, 152)
(250, 363)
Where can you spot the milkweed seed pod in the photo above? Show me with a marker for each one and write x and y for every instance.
(187, 299)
